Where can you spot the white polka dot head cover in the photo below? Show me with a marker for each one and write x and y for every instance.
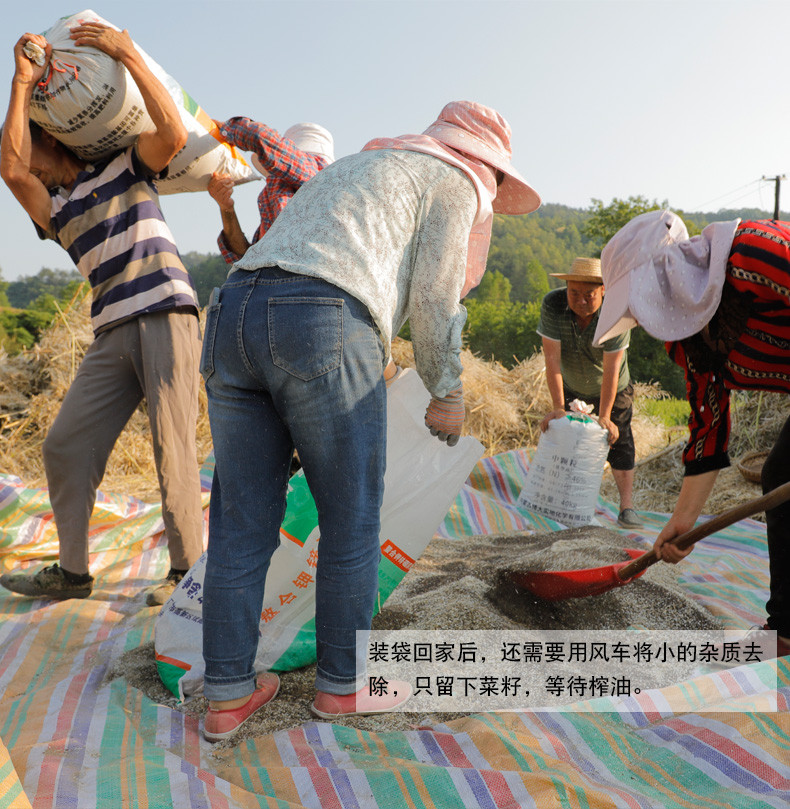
(658, 278)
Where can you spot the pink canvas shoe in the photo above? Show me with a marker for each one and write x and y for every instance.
(223, 724)
(363, 703)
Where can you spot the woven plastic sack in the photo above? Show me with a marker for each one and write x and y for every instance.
(422, 480)
(564, 475)
(89, 102)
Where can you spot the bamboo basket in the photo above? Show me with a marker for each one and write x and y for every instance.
(750, 465)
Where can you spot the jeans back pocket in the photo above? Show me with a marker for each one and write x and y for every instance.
(306, 335)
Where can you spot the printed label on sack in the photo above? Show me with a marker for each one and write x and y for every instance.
(396, 555)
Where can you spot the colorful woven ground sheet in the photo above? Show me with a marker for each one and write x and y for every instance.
(73, 736)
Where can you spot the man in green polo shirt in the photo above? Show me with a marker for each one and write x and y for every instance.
(597, 376)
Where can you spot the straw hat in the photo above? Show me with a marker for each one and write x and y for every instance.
(585, 270)
(483, 133)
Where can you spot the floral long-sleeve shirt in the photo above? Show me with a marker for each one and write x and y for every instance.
(391, 228)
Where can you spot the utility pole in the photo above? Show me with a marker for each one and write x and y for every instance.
(778, 179)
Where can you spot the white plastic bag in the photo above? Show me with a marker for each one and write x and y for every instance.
(564, 476)
(89, 102)
(423, 478)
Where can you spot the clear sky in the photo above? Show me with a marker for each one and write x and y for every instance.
(678, 100)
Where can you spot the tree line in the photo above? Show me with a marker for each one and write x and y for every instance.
(29, 304)
(503, 311)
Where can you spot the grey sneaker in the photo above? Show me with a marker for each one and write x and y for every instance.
(628, 518)
(159, 594)
(49, 582)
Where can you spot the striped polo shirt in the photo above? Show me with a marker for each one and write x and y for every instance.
(111, 225)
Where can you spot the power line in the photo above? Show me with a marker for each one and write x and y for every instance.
(727, 194)
(731, 201)
(761, 205)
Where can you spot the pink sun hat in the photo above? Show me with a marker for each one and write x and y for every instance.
(657, 277)
(483, 133)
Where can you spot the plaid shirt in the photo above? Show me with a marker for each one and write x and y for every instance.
(288, 169)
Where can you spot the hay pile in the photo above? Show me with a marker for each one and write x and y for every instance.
(504, 411)
(504, 407)
(756, 418)
(32, 386)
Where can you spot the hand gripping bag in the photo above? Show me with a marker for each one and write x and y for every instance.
(564, 475)
(89, 102)
(423, 478)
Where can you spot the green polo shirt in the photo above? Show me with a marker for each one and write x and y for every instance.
(581, 365)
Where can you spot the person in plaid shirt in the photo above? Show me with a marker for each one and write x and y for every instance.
(286, 161)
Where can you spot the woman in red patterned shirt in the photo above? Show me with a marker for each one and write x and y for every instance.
(721, 301)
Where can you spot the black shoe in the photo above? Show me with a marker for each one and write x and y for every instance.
(50, 582)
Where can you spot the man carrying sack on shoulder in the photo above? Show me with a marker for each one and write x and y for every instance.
(144, 314)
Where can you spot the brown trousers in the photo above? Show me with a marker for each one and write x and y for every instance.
(153, 357)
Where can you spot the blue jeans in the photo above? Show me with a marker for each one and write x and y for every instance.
(291, 361)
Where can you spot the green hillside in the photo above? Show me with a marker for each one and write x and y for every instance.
(503, 310)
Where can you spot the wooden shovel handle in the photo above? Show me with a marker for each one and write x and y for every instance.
(768, 501)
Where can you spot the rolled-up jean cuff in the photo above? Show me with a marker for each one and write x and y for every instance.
(340, 687)
(229, 689)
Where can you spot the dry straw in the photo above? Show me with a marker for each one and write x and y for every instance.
(504, 411)
(506, 406)
(32, 386)
(756, 420)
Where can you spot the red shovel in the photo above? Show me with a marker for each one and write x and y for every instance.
(557, 585)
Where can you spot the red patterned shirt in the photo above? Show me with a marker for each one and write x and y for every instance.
(289, 168)
(757, 287)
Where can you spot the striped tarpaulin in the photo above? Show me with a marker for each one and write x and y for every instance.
(72, 736)
(11, 793)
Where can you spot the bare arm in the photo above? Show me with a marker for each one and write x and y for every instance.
(221, 189)
(15, 147)
(611, 375)
(159, 146)
(693, 493)
(552, 351)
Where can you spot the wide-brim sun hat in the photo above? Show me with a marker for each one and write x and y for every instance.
(482, 133)
(584, 270)
(307, 137)
(660, 279)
